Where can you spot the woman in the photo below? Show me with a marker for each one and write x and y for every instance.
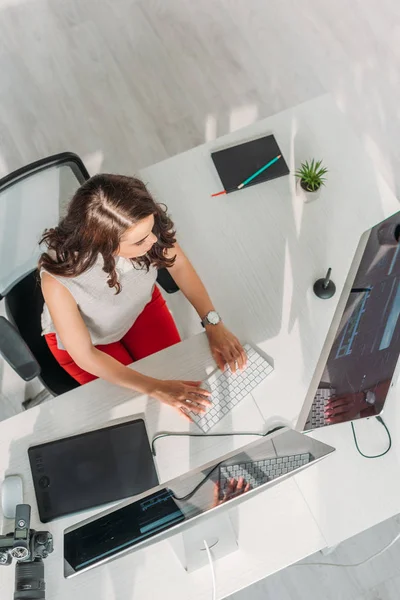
(102, 308)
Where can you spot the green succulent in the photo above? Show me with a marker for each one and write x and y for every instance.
(311, 175)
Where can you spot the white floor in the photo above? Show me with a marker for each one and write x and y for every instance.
(126, 83)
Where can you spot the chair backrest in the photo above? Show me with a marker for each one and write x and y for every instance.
(32, 199)
(24, 305)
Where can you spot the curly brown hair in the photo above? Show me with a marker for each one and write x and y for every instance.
(100, 212)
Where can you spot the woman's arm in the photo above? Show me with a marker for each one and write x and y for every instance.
(189, 282)
(225, 347)
(75, 337)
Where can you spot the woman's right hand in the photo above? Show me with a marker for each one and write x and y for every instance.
(183, 396)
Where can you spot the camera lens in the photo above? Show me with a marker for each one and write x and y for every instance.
(29, 581)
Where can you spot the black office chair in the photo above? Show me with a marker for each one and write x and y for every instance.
(31, 200)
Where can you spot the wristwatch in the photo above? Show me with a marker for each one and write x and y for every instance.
(211, 318)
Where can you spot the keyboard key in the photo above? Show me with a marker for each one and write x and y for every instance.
(228, 389)
(316, 417)
(260, 471)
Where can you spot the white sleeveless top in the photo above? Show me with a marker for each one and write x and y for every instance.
(107, 315)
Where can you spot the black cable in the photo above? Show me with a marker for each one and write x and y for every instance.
(203, 435)
(382, 422)
(198, 486)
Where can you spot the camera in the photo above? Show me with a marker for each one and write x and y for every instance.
(29, 548)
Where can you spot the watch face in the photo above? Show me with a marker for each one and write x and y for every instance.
(213, 317)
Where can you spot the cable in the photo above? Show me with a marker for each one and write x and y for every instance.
(202, 482)
(363, 562)
(164, 434)
(159, 436)
(382, 422)
(210, 560)
(198, 486)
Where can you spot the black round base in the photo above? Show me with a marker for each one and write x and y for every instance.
(324, 292)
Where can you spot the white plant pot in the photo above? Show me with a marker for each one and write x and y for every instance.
(307, 196)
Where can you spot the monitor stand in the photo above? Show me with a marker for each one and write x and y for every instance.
(189, 547)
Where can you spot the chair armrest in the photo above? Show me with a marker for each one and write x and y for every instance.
(165, 279)
(16, 352)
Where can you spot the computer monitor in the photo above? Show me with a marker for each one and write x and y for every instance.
(364, 343)
(178, 505)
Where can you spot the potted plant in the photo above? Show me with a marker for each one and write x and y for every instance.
(310, 177)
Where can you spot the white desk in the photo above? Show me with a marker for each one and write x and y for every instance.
(258, 251)
(155, 572)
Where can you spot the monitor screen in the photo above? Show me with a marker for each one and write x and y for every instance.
(161, 511)
(364, 354)
(121, 529)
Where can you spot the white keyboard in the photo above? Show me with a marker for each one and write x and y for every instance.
(316, 417)
(228, 389)
(255, 473)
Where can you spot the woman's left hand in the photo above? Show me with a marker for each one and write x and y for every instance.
(226, 348)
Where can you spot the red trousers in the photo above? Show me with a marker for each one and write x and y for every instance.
(153, 330)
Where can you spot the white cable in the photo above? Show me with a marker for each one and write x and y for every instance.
(210, 560)
(363, 562)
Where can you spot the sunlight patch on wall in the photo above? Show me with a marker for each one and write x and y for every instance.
(242, 116)
(380, 160)
(211, 128)
(93, 161)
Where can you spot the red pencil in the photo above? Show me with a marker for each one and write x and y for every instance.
(218, 193)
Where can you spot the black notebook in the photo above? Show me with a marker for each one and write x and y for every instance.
(90, 469)
(236, 164)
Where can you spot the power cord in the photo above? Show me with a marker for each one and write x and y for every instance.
(382, 422)
(363, 562)
(210, 560)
